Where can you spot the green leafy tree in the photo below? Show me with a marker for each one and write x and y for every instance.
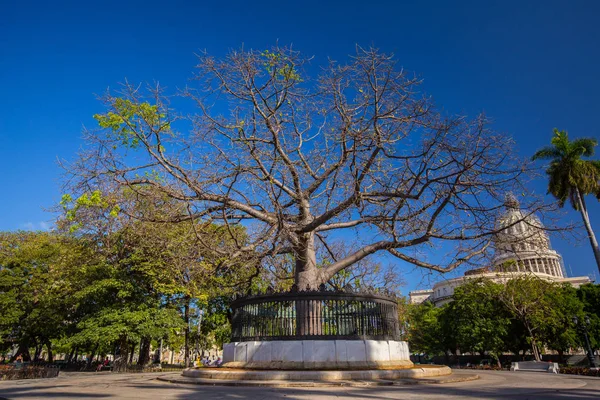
(516, 340)
(404, 308)
(590, 297)
(559, 332)
(106, 280)
(571, 177)
(479, 319)
(427, 331)
(148, 265)
(33, 306)
(525, 298)
(216, 324)
(116, 301)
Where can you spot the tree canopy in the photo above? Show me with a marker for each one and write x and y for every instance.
(493, 318)
(304, 160)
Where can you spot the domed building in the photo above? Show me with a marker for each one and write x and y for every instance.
(521, 247)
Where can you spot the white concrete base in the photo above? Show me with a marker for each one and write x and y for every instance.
(317, 354)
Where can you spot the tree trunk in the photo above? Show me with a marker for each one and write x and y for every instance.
(561, 356)
(23, 351)
(70, 356)
(186, 317)
(308, 313)
(588, 226)
(38, 352)
(160, 351)
(306, 274)
(123, 352)
(120, 362)
(91, 357)
(132, 353)
(537, 352)
(144, 357)
(308, 317)
(49, 348)
(534, 348)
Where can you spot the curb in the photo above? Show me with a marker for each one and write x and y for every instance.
(300, 384)
(362, 375)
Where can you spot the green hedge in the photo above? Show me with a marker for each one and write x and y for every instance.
(579, 371)
(8, 374)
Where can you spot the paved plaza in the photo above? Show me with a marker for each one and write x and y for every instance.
(492, 385)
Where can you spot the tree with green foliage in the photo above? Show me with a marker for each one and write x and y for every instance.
(118, 299)
(479, 319)
(491, 318)
(516, 340)
(571, 177)
(559, 332)
(164, 262)
(428, 332)
(404, 308)
(525, 298)
(86, 292)
(33, 306)
(590, 297)
(216, 324)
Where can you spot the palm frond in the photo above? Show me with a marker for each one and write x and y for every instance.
(546, 153)
(585, 146)
(561, 141)
(587, 176)
(558, 184)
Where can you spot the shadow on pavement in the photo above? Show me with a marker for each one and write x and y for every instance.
(387, 393)
(15, 393)
(494, 386)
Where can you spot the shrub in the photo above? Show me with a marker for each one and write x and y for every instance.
(29, 372)
(579, 371)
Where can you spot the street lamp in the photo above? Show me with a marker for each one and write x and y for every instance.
(583, 328)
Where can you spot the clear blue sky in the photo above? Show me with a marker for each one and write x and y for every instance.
(530, 65)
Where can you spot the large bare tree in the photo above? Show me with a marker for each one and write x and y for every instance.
(356, 154)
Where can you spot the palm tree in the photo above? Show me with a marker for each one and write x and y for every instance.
(571, 177)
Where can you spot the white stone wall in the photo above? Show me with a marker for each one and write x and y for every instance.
(316, 353)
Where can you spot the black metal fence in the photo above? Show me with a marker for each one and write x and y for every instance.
(315, 315)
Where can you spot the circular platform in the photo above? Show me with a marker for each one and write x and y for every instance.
(227, 374)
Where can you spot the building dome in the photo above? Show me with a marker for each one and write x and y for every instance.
(522, 245)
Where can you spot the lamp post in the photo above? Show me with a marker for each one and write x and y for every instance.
(583, 328)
